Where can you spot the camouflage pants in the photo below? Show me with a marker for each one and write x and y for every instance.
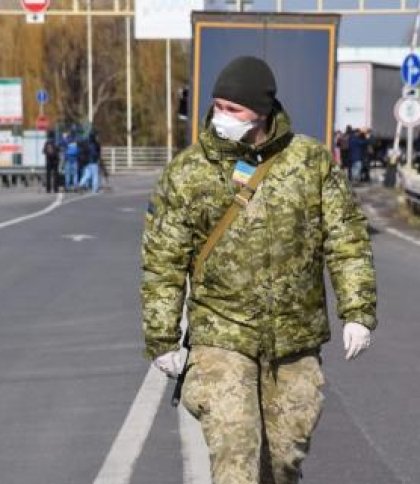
(257, 418)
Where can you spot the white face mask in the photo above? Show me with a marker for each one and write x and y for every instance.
(228, 127)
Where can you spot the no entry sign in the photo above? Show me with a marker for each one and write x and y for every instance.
(42, 122)
(35, 6)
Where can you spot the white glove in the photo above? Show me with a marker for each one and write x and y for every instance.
(170, 363)
(356, 339)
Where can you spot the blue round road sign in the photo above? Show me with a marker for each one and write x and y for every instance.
(42, 96)
(410, 70)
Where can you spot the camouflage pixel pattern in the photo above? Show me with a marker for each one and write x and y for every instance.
(261, 290)
(257, 418)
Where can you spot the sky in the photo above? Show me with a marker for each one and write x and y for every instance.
(394, 30)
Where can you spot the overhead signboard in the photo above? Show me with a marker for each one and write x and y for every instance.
(11, 111)
(165, 19)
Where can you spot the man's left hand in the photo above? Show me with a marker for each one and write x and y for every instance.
(356, 339)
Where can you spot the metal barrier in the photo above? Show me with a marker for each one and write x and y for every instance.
(21, 175)
(410, 182)
(116, 158)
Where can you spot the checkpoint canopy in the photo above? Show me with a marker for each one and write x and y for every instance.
(300, 49)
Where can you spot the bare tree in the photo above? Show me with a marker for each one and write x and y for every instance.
(57, 61)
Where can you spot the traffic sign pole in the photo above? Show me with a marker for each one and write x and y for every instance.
(413, 47)
(410, 146)
(410, 73)
(42, 98)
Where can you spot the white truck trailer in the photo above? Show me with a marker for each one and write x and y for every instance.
(365, 97)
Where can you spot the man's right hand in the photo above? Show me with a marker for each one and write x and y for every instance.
(170, 363)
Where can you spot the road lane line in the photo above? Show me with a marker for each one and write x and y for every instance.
(402, 235)
(119, 464)
(196, 463)
(80, 197)
(390, 230)
(57, 202)
(397, 474)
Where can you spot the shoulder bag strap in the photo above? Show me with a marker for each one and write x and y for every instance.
(241, 200)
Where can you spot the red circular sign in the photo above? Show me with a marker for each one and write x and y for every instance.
(42, 122)
(35, 6)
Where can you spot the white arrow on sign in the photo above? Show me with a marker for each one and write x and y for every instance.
(78, 237)
(413, 70)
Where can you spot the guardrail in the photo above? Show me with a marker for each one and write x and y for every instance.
(21, 175)
(116, 158)
(410, 182)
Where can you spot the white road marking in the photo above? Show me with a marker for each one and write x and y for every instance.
(374, 215)
(402, 235)
(127, 209)
(390, 230)
(57, 202)
(372, 442)
(78, 237)
(120, 461)
(195, 456)
(196, 463)
(80, 197)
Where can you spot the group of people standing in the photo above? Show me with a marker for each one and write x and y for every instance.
(80, 156)
(354, 151)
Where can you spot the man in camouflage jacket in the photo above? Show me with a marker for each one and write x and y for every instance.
(257, 308)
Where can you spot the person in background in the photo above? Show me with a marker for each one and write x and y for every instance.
(369, 157)
(52, 161)
(71, 162)
(91, 172)
(83, 156)
(103, 172)
(357, 152)
(336, 148)
(344, 149)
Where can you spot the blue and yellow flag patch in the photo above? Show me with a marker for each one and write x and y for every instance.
(243, 172)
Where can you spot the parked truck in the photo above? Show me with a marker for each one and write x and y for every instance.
(300, 49)
(365, 99)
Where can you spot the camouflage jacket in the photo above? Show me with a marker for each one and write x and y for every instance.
(261, 290)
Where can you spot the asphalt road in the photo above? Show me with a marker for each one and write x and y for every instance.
(71, 365)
